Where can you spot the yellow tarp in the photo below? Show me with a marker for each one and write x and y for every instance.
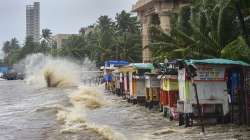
(170, 85)
(126, 69)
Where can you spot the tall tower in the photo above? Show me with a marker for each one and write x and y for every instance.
(163, 9)
(33, 21)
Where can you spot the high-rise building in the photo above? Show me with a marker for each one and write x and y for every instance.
(33, 21)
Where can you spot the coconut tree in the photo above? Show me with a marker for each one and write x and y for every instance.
(46, 37)
(6, 47)
(201, 30)
(46, 41)
(128, 38)
(243, 9)
(46, 34)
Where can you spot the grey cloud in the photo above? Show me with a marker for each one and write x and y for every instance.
(61, 16)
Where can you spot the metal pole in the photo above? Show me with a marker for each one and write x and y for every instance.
(199, 108)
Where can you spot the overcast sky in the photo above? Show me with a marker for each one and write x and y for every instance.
(61, 16)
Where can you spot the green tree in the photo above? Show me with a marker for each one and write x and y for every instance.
(243, 9)
(92, 43)
(105, 30)
(6, 47)
(14, 56)
(46, 41)
(46, 35)
(82, 45)
(212, 25)
(10, 45)
(29, 47)
(74, 47)
(10, 49)
(106, 40)
(237, 50)
(14, 43)
(128, 38)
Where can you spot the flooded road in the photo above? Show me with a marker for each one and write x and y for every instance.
(28, 112)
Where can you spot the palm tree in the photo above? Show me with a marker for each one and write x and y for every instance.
(82, 31)
(128, 37)
(212, 26)
(46, 36)
(46, 41)
(14, 43)
(243, 6)
(6, 47)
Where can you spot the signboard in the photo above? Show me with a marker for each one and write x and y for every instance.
(210, 73)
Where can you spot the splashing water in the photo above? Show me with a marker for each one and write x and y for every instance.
(74, 118)
(88, 97)
(48, 71)
(107, 132)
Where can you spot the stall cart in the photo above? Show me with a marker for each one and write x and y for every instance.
(169, 89)
(117, 82)
(212, 92)
(108, 77)
(152, 90)
(169, 95)
(124, 80)
(136, 81)
(121, 81)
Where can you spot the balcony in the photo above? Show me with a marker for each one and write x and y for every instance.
(140, 4)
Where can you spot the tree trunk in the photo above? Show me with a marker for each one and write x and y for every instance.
(242, 22)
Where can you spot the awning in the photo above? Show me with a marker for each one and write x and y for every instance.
(142, 66)
(114, 63)
(125, 69)
(218, 61)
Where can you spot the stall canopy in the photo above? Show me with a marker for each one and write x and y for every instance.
(133, 67)
(216, 61)
(113, 63)
(125, 69)
(142, 66)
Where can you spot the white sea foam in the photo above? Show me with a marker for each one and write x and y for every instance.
(74, 118)
(47, 71)
(50, 71)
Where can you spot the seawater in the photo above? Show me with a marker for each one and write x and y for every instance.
(69, 110)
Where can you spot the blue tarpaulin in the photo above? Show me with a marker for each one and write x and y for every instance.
(115, 63)
(4, 69)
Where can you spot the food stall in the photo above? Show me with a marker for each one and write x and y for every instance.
(152, 90)
(135, 85)
(169, 90)
(124, 73)
(108, 75)
(207, 90)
